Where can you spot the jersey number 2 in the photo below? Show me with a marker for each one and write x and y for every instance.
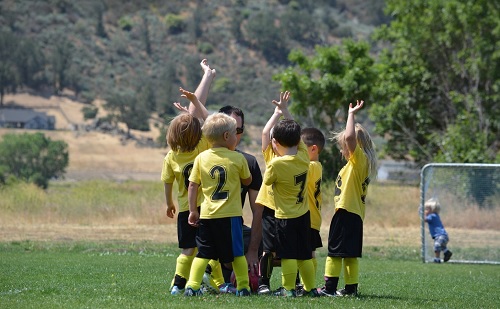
(218, 194)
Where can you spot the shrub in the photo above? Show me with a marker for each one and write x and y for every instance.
(89, 112)
(175, 23)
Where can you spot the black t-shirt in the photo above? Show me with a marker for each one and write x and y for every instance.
(254, 167)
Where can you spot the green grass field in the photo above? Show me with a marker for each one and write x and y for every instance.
(137, 275)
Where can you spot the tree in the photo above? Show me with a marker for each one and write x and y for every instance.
(9, 75)
(61, 60)
(324, 84)
(33, 158)
(129, 110)
(440, 80)
(264, 35)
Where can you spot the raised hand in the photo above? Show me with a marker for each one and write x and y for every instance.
(206, 68)
(180, 107)
(358, 106)
(282, 104)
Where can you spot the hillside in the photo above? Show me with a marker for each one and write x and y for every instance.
(148, 49)
(99, 155)
(77, 54)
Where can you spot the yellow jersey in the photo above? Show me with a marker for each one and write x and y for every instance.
(177, 166)
(352, 183)
(219, 171)
(288, 176)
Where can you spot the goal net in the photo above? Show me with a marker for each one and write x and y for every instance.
(469, 196)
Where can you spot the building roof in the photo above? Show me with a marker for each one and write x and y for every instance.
(19, 115)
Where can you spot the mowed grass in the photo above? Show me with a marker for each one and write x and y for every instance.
(137, 275)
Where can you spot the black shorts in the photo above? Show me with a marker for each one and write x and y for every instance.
(268, 230)
(346, 235)
(293, 237)
(220, 239)
(186, 233)
(315, 239)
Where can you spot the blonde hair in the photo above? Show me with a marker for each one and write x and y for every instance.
(184, 133)
(364, 141)
(433, 205)
(216, 124)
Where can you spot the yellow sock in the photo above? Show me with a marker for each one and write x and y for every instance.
(307, 274)
(197, 270)
(240, 268)
(183, 266)
(333, 266)
(289, 273)
(217, 276)
(315, 264)
(351, 270)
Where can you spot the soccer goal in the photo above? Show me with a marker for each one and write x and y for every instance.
(469, 195)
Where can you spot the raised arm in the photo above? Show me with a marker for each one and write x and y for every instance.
(280, 109)
(203, 88)
(350, 131)
(196, 108)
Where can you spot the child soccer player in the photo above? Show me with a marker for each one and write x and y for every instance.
(184, 136)
(219, 171)
(315, 142)
(287, 174)
(436, 228)
(345, 239)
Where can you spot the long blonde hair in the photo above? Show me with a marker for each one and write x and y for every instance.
(364, 141)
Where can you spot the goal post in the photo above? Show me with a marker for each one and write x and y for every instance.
(469, 195)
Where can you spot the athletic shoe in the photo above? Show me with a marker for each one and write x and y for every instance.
(345, 292)
(447, 255)
(227, 288)
(243, 292)
(437, 260)
(324, 292)
(299, 289)
(175, 290)
(192, 292)
(284, 292)
(208, 284)
(312, 293)
(263, 290)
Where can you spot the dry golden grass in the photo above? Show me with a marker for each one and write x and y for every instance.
(392, 216)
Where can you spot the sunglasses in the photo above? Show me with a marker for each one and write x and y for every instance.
(239, 130)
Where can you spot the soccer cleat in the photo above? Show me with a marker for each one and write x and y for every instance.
(345, 292)
(312, 293)
(437, 260)
(324, 292)
(447, 255)
(263, 290)
(299, 289)
(208, 284)
(191, 292)
(175, 290)
(243, 292)
(284, 292)
(227, 288)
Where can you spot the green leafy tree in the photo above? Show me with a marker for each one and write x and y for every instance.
(264, 35)
(9, 74)
(33, 158)
(61, 58)
(128, 109)
(324, 84)
(439, 84)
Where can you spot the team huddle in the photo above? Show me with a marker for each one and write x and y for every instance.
(220, 254)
